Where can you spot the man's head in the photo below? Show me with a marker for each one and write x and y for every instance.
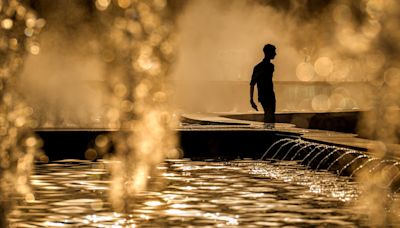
(269, 51)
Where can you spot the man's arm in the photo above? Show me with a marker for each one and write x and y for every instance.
(251, 97)
(253, 82)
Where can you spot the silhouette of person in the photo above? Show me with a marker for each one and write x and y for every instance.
(262, 77)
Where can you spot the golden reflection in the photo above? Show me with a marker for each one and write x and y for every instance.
(183, 213)
(180, 206)
(54, 224)
(153, 203)
(97, 205)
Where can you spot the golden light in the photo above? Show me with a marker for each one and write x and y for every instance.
(31, 141)
(321, 103)
(13, 44)
(120, 90)
(375, 61)
(91, 154)
(323, 66)
(28, 32)
(102, 4)
(153, 203)
(7, 23)
(341, 71)
(342, 14)
(102, 141)
(392, 77)
(124, 3)
(305, 71)
(34, 49)
(371, 29)
(160, 4)
(97, 205)
(30, 22)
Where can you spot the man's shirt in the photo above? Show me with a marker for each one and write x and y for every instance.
(262, 76)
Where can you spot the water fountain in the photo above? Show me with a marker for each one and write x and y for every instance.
(129, 181)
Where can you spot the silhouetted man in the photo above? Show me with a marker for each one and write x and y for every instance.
(262, 76)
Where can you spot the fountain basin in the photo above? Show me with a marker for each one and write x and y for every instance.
(217, 138)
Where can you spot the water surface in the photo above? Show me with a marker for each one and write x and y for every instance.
(243, 193)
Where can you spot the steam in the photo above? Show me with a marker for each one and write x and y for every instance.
(317, 41)
(220, 41)
(63, 79)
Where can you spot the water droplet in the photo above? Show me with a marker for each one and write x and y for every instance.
(34, 49)
(102, 141)
(102, 4)
(124, 3)
(91, 154)
(7, 23)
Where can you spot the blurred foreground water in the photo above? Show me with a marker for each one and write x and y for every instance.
(73, 193)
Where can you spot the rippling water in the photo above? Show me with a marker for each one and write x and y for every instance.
(74, 193)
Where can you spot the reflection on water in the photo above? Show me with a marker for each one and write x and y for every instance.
(241, 193)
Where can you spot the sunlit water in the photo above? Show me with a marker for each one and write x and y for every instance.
(242, 193)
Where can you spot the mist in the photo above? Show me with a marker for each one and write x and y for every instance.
(326, 51)
(219, 42)
(63, 78)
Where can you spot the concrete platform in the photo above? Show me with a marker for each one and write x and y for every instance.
(72, 143)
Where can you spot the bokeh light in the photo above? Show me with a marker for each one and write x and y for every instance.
(323, 66)
(305, 71)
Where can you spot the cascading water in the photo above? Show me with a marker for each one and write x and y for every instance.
(18, 145)
(140, 37)
(352, 162)
(295, 142)
(326, 157)
(320, 148)
(325, 148)
(341, 160)
(302, 149)
(363, 165)
(272, 146)
(342, 156)
(137, 39)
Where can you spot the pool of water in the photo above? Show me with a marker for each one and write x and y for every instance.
(245, 193)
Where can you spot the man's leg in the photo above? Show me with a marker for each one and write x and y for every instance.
(269, 110)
